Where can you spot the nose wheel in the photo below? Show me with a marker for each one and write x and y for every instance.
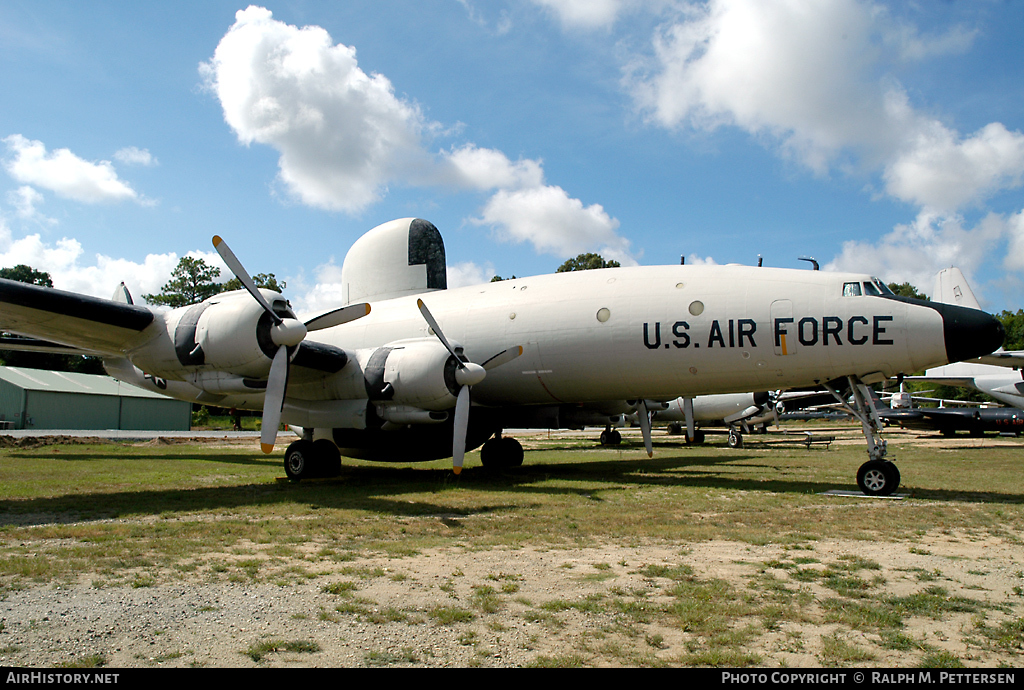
(878, 477)
(501, 452)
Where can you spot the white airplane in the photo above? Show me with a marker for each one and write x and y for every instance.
(388, 376)
(745, 410)
(999, 374)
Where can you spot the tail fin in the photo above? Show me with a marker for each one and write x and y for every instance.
(951, 288)
(122, 295)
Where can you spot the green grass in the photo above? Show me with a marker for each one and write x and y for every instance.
(142, 515)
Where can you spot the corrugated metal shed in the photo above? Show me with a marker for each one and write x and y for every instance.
(38, 399)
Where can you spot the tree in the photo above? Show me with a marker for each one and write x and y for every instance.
(907, 290)
(262, 280)
(498, 279)
(191, 282)
(1014, 325)
(27, 274)
(585, 262)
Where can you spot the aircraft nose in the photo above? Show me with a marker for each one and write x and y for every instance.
(969, 333)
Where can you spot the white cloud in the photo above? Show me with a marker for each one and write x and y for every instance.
(1015, 251)
(555, 223)
(484, 169)
(584, 14)
(64, 173)
(915, 252)
(810, 77)
(132, 155)
(940, 171)
(342, 134)
(25, 199)
(469, 273)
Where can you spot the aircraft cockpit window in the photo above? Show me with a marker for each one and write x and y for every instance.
(851, 289)
(870, 289)
(882, 286)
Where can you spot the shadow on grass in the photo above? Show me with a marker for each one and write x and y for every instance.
(374, 489)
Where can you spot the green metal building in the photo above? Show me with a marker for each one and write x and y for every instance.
(38, 399)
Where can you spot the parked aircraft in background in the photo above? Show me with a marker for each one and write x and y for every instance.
(999, 375)
(408, 370)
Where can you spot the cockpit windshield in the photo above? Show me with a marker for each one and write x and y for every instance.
(868, 287)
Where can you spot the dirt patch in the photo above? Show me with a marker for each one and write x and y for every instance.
(606, 605)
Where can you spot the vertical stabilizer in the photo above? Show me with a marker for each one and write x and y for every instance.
(951, 288)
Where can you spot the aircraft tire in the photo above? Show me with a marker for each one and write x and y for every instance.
(298, 460)
(735, 439)
(501, 453)
(327, 458)
(878, 478)
(675, 429)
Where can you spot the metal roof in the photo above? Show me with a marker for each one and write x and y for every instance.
(70, 382)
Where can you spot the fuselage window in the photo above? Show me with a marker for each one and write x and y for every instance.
(851, 289)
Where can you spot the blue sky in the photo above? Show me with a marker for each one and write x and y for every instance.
(883, 138)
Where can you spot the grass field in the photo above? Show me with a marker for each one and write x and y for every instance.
(145, 514)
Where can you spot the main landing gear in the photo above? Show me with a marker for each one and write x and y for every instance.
(610, 437)
(878, 476)
(307, 459)
(501, 452)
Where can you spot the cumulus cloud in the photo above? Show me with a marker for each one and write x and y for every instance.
(344, 136)
(555, 223)
(64, 173)
(810, 78)
(469, 273)
(132, 155)
(916, 251)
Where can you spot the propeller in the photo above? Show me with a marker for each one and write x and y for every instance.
(285, 332)
(644, 415)
(467, 375)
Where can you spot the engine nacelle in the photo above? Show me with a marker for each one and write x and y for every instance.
(418, 372)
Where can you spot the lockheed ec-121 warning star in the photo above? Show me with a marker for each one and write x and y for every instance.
(408, 370)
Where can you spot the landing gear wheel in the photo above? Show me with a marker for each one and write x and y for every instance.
(610, 438)
(298, 460)
(675, 429)
(327, 458)
(501, 453)
(878, 478)
(735, 439)
(698, 437)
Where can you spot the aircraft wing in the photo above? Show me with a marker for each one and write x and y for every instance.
(1013, 358)
(90, 324)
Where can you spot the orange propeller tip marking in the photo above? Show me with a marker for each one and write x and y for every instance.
(217, 240)
(457, 470)
(267, 448)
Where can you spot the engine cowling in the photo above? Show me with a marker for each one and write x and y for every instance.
(419, 373)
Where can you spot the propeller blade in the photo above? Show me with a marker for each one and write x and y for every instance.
(503, 357)
(645, 426)
(273, 401)
(336, 317)
(688, 415)
(461, 426)
(239, 270)
(437, 329)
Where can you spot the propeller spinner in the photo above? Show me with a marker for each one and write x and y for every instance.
(467, 375)
(285, 333)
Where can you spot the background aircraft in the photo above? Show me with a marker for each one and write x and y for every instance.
(999, 375)
(390, 375)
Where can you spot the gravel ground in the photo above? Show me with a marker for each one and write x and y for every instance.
(396, 615)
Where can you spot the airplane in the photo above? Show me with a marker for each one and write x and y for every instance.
(737, 411)
(408, 370)
(999, 374)
(949, 420)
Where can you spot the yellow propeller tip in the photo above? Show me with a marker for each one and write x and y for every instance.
(457, 470)
(217, 240)
(267, 448)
